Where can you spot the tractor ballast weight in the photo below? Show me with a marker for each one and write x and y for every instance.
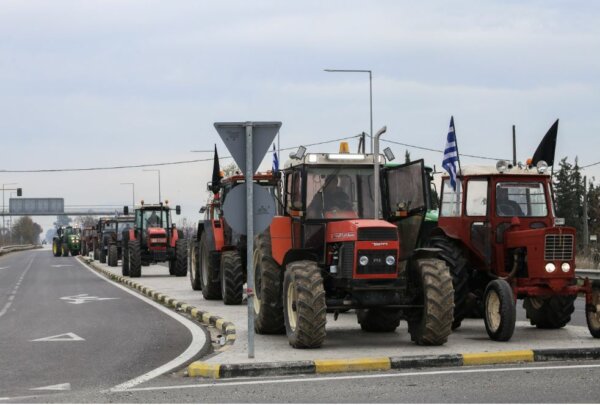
(326, 253)
(504, 243)
(217, 253)
(153, 239)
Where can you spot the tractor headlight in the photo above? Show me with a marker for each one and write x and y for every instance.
(363, 260)
(550, 267)
(390, 260)
(565, 267)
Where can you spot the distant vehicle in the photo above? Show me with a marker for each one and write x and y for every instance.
(44, 242)
(110, 237)
(67, 240)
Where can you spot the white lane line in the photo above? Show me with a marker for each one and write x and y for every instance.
(229, 383)
(198, 339)
(14, 291)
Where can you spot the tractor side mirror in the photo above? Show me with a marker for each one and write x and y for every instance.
(126, 210)
(19, 192)
(203, 209)
(178, 209)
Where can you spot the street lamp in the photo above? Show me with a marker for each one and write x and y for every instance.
(158, 171)
(132, 193)
(3, 205)
(370, 92)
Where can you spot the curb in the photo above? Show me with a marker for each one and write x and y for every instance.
(205, 318)
(215, 370)
(17, 248)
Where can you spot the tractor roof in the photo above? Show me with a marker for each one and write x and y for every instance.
(492, 171)
(334, 159)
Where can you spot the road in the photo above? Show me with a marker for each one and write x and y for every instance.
(63, 326)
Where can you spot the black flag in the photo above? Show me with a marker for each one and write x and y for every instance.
(546, 148)
(216, 175)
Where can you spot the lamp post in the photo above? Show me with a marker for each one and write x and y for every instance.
(370, 93)
(132, 193)
(4, 207)
(158, 171)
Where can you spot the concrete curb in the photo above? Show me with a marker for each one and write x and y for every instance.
(205, 318)
(17, 248)
(215, 370)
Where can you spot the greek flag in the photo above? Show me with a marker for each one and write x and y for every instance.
(451, 154)
(275, 160)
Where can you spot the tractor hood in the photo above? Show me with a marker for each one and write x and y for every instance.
(360, 230)
(157, 232)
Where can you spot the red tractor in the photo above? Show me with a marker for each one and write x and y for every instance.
(499, 235)
(218, 253)
(153, 238)
(326, 253)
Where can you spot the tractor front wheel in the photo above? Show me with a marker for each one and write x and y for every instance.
(592, 312)
(232, 278)
(432, 324)
(56, 248)
(135, 259)
(113, 255)
(551, 312)
(378, 319)
(209, 273)
(305, 308)
(65, 250)
(195, 266)
(102, 254)
(268, 302)
(500, 310)
(125, 259)
(181, 253)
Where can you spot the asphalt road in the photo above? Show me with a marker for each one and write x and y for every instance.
(103, 335)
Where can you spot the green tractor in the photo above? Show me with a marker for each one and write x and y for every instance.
(66, 240)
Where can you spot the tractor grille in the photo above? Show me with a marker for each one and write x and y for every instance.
(558, 247)
(347, 260)
(368, 234)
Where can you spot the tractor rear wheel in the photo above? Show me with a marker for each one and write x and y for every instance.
(135, 259)
(232, 278)
(592, 312)
(378, 319)
(181, 258)
(549, 313)
(65, 250)
(102, 254)
(500, 310)
(209, 273)
(125, 259)
(56, 248)
(268, 289)
(195, 269)
(457, 261)
(113, 253)
(432, 324)
(305, 308)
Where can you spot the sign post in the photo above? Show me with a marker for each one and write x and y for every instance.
(248, 143)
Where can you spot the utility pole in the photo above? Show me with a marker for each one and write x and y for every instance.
(586, 236)
(514, 146)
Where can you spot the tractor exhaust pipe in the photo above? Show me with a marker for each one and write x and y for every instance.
(377, 196)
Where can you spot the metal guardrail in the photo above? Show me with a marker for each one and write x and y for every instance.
(589, 273)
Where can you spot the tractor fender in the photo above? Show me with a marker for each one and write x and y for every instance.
(132, 234)
(174, 237)
(295, 255)
(200, 229)
(210, 235)
(426, 253)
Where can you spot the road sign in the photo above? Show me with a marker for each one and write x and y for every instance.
(36, 206)
(263, 205)
(248, 143)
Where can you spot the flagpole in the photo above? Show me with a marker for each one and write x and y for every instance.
(456, 143)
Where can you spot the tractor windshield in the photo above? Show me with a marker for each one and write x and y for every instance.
(156, 219)
(338, 193)
(521, 199)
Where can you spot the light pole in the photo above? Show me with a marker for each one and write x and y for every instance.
(3, 206)
(158, 171)
(370, 92)
(132, 193)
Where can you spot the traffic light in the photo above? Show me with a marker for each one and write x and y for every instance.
(19, 192)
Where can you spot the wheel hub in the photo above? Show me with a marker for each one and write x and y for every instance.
(291, 307)
(492, 309)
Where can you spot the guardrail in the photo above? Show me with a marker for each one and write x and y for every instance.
(589, 273)
(16, 248)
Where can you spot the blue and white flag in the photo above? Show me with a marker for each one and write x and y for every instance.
(275, 160)
(451, 154)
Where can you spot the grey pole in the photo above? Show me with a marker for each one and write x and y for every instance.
(586, 233)
(3, 208)
(514, 146)
(250, 239)
(377, 192)
(371, 106)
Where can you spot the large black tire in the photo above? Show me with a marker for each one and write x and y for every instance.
(84, 249)
(458, 263)
(171, 263)
(181, 253)
(56, 248)
(209, 273)
(102, 253)
(135, 259)
(549, 313)
(232, 278)
(305, 307)
(432, 324)
(65, 250)
(125, 259)
(268, 288)
(195, 266)
(74, 252)
(500, 310)
(592, 312)
(113, 255)
(378, 319)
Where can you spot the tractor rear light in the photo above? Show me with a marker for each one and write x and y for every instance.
(566, 267)
(390, 260)
(550, 267)
(363, 260)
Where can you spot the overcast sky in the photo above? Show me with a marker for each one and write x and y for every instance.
(101, 83)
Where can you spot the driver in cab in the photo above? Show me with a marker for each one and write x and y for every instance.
(331, 201)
